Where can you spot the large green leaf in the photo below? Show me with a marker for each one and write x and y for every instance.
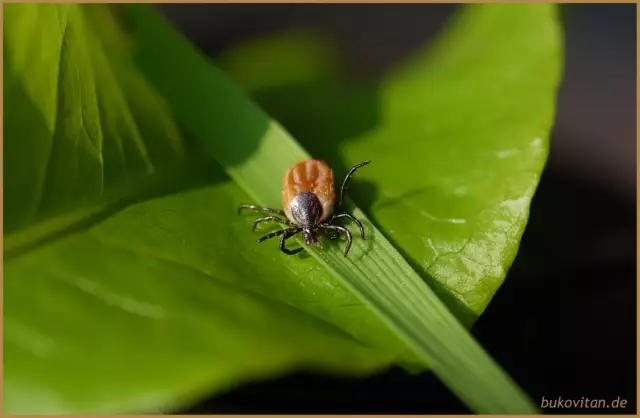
(111, 310)
(63, 152)
(149, 306)
(458, 136)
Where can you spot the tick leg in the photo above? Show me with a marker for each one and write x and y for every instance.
(260, 209)
(346, 179)
(286, 236)
(277, 233)
(332, 235)
(341, 229)
(351, 218)
(271, 218)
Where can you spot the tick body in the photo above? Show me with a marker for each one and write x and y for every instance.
(307, 192)
(308, 202)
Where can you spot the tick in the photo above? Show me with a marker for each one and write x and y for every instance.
(308, 201)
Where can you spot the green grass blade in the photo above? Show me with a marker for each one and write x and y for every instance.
(256, 151)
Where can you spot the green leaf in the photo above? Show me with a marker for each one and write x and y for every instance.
(153, 308)
(150, 292)
(458, 136)
(149, 306)
(63, 152)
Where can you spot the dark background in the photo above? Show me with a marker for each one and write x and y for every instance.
(564, 322)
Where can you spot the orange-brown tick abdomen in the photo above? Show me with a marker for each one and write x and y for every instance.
(313, 176)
